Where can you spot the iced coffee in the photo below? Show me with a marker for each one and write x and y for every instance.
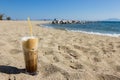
(30, 48)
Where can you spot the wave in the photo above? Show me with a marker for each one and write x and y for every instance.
(97, 33)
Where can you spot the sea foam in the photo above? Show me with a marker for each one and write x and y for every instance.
(97, 33)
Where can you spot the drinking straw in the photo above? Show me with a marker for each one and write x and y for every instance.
(30, 26)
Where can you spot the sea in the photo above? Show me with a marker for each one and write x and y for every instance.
(107, 28)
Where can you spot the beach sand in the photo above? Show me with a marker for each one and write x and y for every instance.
(62, 55)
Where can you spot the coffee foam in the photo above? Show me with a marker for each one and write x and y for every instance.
(26, 38)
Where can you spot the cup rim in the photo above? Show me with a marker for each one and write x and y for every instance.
(28, 37)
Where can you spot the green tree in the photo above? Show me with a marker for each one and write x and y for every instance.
(1, 16)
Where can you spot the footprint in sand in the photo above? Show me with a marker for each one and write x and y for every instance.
(68, 57)
(84, 49)
(94, 52)
(111, 45)
(96, 59)
(77, 66)
(104, 51)
(15, 51)
(118, 68)
(63, 47)
(108, 77)
(118, 46)
(49, 69)
(77, 47)
(55, 58)
(49, 52)
(72, 53)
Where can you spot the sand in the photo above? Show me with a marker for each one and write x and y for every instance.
(62, 55)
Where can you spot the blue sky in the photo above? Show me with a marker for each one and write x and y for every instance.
(63, 9)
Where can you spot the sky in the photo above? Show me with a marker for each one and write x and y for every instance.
(61, 9)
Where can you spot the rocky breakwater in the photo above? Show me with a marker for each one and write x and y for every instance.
(70, 22)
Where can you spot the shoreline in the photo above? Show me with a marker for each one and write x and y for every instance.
(86, 32)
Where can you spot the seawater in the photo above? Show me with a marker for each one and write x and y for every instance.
(109, 28)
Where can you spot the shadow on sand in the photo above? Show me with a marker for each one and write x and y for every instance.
(10, 70)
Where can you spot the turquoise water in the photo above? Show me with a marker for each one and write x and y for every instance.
(101, 27)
